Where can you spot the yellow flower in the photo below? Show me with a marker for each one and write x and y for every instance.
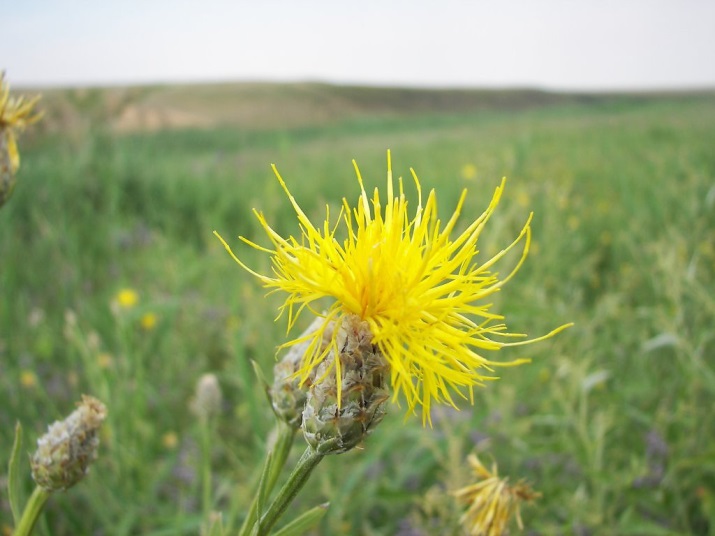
(469, 172)
(15, 114)
(492, 501)
(105, 360)
(523, 198)
(170, 440)
(420, 290)
(127, 298)
(148, 321)
(28, 379)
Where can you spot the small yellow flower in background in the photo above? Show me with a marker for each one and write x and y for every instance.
(573, 222)
(233, 323)
(420, 289)
(469, 172)
(170, 440)
(73, 378)
(148, 321)
(105, 360)
(605, 238)
(523, 198)
(126, 298)
(492, 501)
(28, 379)
(15, 115)
(545, 375)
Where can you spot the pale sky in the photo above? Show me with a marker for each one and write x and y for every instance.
(550, 44)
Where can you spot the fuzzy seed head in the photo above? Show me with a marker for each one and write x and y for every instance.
(65, 452)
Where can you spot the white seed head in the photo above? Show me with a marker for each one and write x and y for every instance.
(65, 452)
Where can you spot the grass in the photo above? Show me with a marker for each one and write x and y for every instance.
(612, 421)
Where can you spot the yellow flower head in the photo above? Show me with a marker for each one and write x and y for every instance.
(420, 290)
(469, 172)
(15, 114)
(148, 321)
(492, 501)
(28, 379)
(127, 298)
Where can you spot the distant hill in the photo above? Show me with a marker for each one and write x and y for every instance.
(257, 106)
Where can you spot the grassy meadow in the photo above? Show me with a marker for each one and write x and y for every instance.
(613, 421)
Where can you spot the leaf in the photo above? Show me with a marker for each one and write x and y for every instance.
(594, 379)
(263, 382)
(304, 522)
(659, 341)
(256, 511)
(14, 481)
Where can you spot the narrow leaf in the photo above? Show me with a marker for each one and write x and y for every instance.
(261, 495)
(14, 481)
(304, 522)
(263, 382)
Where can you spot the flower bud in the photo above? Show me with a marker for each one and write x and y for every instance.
(65, 452)
(288, 396)
(333, 425)
(208, 397)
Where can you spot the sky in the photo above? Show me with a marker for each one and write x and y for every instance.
(549, 44)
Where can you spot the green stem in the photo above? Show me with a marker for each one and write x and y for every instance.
(280, 452)
(281, 449)
(206, 467)
(290, 489)
(32, 512)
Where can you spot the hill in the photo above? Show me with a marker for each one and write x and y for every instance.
(262, 106)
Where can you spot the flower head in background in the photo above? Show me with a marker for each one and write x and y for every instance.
(148, 321)
(492, 501)
(15, 115)
(419, 288)
(126, 298)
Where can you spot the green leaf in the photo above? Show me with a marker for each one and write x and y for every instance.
(263, 382)
(304, 522)
(256, 510)
(14, 481)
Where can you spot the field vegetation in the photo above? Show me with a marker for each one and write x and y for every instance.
(613, 420)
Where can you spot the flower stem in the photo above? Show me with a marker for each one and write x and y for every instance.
(290, 489)
(281, 449)
(32, 512)
(206, 467)
(280, 452)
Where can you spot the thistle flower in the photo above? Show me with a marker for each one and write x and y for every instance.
(492, 501)
(65, 452)
(15, 115)
(420, 290)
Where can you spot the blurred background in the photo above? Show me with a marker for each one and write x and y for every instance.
(160, 124)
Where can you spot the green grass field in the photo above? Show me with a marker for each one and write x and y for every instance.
(613, 421)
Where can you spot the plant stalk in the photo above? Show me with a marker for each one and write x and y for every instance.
(290, 489)
(281, 449)
(32, 512)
